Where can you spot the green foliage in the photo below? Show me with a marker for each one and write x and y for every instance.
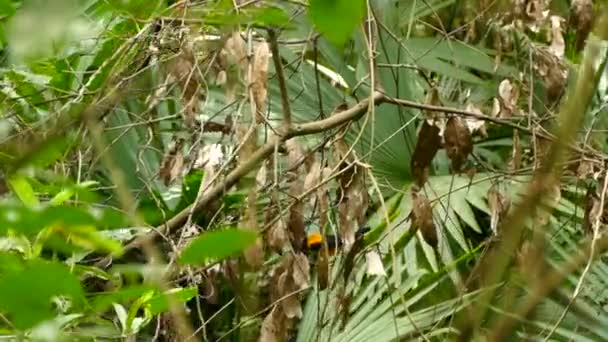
(217, 245)
(337, 19)
(30, 291)
(59, 210)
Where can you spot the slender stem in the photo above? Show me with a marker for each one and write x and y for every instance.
(278, 66)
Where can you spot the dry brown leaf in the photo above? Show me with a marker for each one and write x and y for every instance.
(172, 165)
(291, 303)
(433, 99)
(300, 271)
(558, 45)
(233, 60)
(183, 68)
(458, 142)
(515, 162)
(259, 81)
(273, 327)
(499, 205)
(427, 146)
(476, 125)
(276, 237)
(508, 95)
(422, 218)
(295, 157)
(584, 169)
(592, 210)
(374, 264)
(581, 20)
(353, 197)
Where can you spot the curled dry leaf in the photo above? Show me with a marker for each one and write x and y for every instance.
(581, 20)
(233, 61)
(259, 81)
(173, 162)
(353, 196)
(584, 169)
(183, 69)
(422, 218)
(508, 95)
(273, 327)
(558, 45)
(288, 279)
(515, 162)
(499, 205)
(374, 264)
(295, 224)
(593, 210)
(476, 125)
(432, 98)
(427, 145)
(458, 142)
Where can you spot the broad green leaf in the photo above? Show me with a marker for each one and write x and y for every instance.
(217, 245)
(103, 301)
(336, 19)
(26, 296)
(6, 8)
(160, 303)
(24, 191)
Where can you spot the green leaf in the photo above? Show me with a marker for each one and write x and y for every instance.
(217, 245)
(160, 303)
(26, 296)
(6, 8)
(104, 301)
(24, 191)
(336, 19)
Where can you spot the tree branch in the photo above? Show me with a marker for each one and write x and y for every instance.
(278, 66)
(246, 166)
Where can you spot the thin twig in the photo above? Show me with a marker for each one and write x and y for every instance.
(278, 66)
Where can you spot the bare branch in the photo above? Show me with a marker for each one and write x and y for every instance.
(278, 66)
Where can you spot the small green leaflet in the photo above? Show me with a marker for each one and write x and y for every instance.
(336, 19)
(217, 245)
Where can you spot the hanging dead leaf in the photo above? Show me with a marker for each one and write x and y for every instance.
(300, 271)
(290, 304)
(427, 146)
(374, 264)
(476, 125)
(233, 60)
(273, 327)
(558, 45)
(585, 168)
(508, 95)
(422, 218)
(495, 108)
(458, 142)
(581, 20)
(173, 163)
(259, 87)
(433, 99)
(592, 210)
(499, 205)
(183, 69)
